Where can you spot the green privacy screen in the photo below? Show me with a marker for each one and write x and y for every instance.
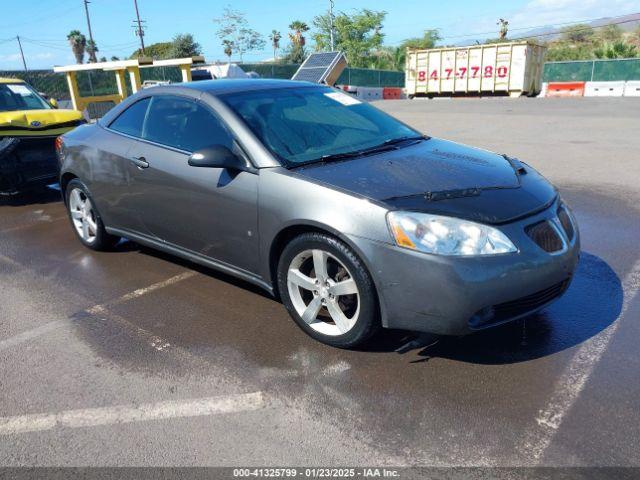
(592, 70)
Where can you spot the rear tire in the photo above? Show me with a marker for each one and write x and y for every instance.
(85, 219)
(328, 291)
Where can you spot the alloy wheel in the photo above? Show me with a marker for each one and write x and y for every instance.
(83, 215)
(323, 292)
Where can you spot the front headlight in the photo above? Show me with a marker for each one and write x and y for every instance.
(446, 235)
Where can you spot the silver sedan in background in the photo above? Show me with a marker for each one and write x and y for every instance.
(354, 219)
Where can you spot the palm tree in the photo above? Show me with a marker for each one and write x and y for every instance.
(78, 43)
(298, 28)
(92, 49)
(275, 42)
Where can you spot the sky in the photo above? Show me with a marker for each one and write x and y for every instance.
(44, 24)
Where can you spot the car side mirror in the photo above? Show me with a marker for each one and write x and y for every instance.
(53, 102)
(217, 156)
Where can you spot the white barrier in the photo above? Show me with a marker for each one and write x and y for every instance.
(370, 93)
(632, 89)
(543, 91)
(604, 89)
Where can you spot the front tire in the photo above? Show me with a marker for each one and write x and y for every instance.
(328, 291)
(84, 217)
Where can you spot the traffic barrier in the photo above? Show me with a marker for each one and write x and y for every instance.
(348, 88)
(543, 91)
(632, 89)
(565, 89)
(392, 93)
(604, 89)
(370, 93)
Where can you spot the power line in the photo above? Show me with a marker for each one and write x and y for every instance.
(477, 34)
(587, 28)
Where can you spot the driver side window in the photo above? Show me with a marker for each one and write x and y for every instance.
(184, 124)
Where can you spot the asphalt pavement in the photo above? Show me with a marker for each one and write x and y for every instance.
(136, 358)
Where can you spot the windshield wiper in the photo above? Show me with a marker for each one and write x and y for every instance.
(390, 144)
(407, 138)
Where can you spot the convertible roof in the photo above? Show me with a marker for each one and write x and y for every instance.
(221, 86)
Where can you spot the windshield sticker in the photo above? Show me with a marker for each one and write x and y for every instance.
(19, 89)
(343, 98)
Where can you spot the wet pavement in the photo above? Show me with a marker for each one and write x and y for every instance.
(560, 388)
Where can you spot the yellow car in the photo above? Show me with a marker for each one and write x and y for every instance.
(29, 125)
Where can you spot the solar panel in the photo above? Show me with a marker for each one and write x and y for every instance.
(323, 67)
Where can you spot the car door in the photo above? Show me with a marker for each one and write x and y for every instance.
(110, 185)
(209, 211)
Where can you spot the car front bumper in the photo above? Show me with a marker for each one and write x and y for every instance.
(27, 160)
(452, 295)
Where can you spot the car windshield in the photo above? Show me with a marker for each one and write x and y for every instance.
(309, 124)
(20, 96)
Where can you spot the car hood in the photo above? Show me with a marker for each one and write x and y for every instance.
(441, 177)
(36, 120)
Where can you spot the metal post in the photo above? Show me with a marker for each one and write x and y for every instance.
(22, 53)
(593, 67)
(331, 24)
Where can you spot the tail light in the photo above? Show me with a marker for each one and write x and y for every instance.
(59, 146)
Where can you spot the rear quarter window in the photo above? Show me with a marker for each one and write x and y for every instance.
(131, 120)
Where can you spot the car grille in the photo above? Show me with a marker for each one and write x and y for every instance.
(565, 221)
(507, 311)
(545, 236)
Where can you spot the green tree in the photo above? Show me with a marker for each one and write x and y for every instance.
(78, 44)
(610, 34)
(92, 49)
(297, 51)
(398, 56)
(428, 40)
(562, 51)
(157, 51)
(580, 33)
(634, 38)
(359, 35)
(185, 46)
(389, 58)
(617, 49)
(234, 33)
(275, 38)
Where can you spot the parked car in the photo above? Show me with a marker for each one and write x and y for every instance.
(29, 125)
(354, 219)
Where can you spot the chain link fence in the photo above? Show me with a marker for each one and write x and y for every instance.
(592, 70)
(90, 83)
(361, 77)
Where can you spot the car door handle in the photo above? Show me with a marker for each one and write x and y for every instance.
(140, 162)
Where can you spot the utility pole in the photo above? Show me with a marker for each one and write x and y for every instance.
(22, 53)
(140, 29)
(86, 10)
(331, 23)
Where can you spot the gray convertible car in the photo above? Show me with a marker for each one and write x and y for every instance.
(354, 219)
